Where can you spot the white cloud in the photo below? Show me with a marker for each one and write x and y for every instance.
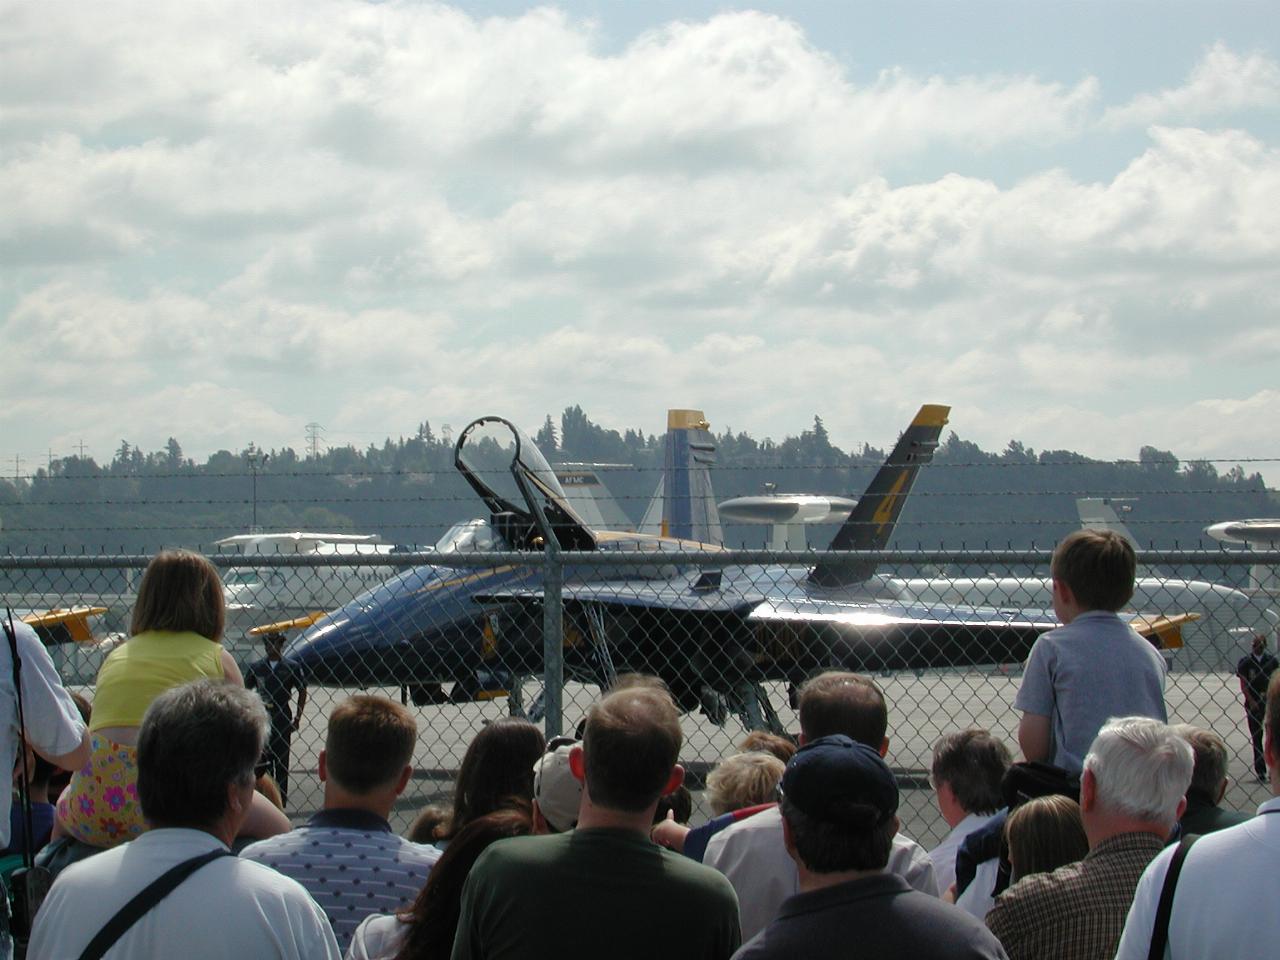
(369, 215)
(1221, 84)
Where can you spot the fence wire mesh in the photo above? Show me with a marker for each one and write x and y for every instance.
(466, 637)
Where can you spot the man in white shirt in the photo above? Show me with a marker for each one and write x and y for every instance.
(52, 722)
(1225, 898)
(197, 748)
(968, 767)
(751, 853)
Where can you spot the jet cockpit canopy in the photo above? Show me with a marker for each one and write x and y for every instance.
(518, 486)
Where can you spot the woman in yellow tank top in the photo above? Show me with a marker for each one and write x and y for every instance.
(177, 620)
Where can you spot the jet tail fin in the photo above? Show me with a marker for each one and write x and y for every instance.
(590, 496)
(684, 504)
(1099, 513)
(872, 521)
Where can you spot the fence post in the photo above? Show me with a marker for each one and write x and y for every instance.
(553, 641)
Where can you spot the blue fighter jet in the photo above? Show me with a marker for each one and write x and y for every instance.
(713, 634)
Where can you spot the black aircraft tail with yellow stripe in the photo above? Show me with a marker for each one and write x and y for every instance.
(872, 521)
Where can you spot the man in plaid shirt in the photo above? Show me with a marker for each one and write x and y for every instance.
(1132, 792)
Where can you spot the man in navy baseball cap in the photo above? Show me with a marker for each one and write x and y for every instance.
(839, 813)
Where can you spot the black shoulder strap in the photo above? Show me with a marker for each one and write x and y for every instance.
(150, 895)
(1160, 932)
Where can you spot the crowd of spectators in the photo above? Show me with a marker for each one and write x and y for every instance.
(1087, 847)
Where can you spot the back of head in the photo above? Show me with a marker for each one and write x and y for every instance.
(497, 766)
(368, 743)
(631, 744)
(838, 702)
(180, 591)
(195, 741)
(1044, 834)
(434, 915)
(678, 803)
(743, 780)
(1141, 769)
(1099, 566)
(1210, 759)
(429, 825)
(762, 741)
(840, 801)
(973, 764)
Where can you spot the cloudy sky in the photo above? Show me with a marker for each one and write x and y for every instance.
(221, 221)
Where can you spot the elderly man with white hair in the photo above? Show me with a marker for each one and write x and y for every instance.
(1132, 792)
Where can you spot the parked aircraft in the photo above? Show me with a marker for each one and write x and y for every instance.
(712, 634)
(1226, 618)
(1264, 579)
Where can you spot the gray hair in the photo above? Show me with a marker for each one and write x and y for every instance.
(1142, 768)
(195, 741)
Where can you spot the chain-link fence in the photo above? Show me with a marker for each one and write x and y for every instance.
(468, 637)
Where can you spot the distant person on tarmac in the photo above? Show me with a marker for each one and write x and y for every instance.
(1095, 666)
(1255, 670)
(275, 679)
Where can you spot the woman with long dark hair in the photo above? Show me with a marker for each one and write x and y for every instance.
(426, 931)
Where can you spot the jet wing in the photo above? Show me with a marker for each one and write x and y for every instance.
(683, 597)
(64, 626)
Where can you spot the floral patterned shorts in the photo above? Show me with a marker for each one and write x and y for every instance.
(101, 806)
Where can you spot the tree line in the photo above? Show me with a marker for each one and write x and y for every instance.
(407, 490)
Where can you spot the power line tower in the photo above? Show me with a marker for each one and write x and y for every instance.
(314, 431)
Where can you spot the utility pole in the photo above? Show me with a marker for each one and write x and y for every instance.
(17, 467)
(313, 440)
(80, 446)
(256, 460)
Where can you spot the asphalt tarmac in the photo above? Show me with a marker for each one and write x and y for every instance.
(921, 708)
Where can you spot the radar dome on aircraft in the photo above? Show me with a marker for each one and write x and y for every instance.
(787, 513)
(1246, 531)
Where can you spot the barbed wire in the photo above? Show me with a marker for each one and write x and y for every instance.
(1115, 494)
(451, 471)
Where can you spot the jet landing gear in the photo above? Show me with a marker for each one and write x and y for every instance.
(752, 705)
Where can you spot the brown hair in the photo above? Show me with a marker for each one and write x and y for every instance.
(762, 741)
(1044, 834)
(498, 765)
(180, 591)
(433, 918)
(630, 746)
(1098, 565)
(369, 741)
(845, 703)
(1210, 762)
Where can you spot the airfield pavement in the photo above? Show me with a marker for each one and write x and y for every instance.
(921, 708)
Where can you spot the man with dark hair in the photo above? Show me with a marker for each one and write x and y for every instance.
(1255, 670)
(1093, 667)
(197, 748)
(968, 768)
(751, 852)
(839, 816)
(276, 679)
(346, 855)
(603, 889)
(1208, 783)
(1225, 896)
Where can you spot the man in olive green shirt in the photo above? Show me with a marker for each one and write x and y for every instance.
(604, 889)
